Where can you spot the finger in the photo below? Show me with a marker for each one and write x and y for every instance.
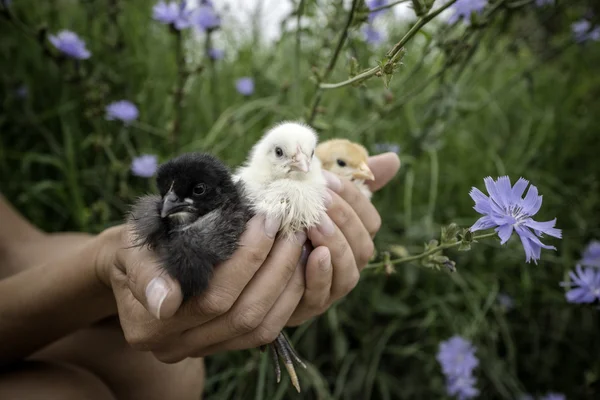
(319, 276)
(274, 321)
(361, 205)
(253, 304)
(384, 167)
(346, 219)
(150, 285)
(231, 276)
(345, 272)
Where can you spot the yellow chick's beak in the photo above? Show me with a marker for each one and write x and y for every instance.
(300, 162)
(363, 172)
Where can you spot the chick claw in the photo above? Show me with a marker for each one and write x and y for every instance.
(281, 347)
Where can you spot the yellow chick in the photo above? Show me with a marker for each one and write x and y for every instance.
(346, 159)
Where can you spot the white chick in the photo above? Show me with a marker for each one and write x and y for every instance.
(347, 159)
(283, 177)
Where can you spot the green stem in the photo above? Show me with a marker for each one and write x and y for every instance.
(428, 252)
(297, 58)
(393, 53)
(332, 62)
(395, 3)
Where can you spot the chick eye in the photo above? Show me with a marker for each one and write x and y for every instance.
(341, 162)
(199, 189)
(278, 152)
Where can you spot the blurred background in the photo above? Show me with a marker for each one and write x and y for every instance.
(486, 88)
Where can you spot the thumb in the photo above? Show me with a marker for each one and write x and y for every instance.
(147, 280)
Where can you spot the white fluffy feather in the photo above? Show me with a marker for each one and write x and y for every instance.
(276, 189)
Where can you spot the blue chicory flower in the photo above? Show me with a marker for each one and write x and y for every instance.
(464, 8)
(457, 359)
(591, 255)
(586, 283)
(172, 13)
(122, 110)
(205, 18)
(245, 86)
(583, 30)
(372, 36)
(457, 356)
(144, 166)
(70, 44)
(506, 211)
(553, 396)
(216, 54)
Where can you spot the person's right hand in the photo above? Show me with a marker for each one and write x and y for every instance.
(248, 302)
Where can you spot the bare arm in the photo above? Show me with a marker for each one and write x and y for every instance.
(46, 302)
(43, 301)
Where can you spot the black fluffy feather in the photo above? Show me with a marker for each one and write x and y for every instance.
(207, 233)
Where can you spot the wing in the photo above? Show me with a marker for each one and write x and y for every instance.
(193, 251)
(144, 218)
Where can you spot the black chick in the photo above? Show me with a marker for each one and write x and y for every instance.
(197, 220)
(195, 223)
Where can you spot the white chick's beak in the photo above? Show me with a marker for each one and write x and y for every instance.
(363, 172)
(300, 161)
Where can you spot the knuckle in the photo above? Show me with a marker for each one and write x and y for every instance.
(247, 320)
(341, 215)
(264, 335)
(254, 256)
(214, 303)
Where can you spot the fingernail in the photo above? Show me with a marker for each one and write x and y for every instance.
(272, 226)
(325, 263)
(326, 227)
(300, 237)
(327, 199)
(333, 182)
(156, 293)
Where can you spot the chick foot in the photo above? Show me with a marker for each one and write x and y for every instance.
(281, 347)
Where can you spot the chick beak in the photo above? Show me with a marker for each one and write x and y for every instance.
(300, 162)
(363, 172)
(172, 204)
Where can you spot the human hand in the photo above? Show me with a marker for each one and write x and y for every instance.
(250, 297)
(343, 243)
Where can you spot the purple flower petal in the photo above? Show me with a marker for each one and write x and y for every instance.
(518, 190)
(482, 223)
(504, 233)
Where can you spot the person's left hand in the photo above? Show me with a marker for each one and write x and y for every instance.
(343, 245)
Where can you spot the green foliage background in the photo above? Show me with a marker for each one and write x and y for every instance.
(514, 96)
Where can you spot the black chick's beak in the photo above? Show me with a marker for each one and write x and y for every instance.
(172, 205)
